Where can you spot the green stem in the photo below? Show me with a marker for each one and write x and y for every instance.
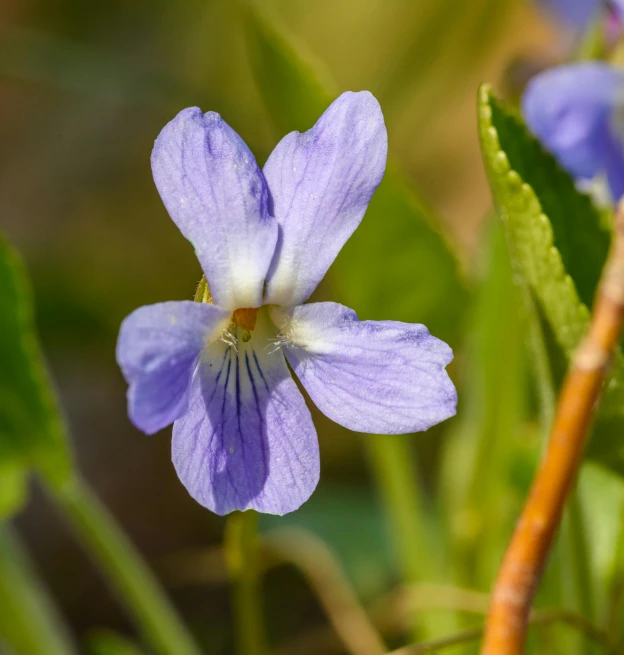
(581, 556)
(391, 461)
(615, 613)
(241, 552)
(29, 624)
(128, 574)
(573, 561)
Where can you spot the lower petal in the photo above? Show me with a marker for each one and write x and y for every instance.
(247, 440)
(370, 376)
(157, 351)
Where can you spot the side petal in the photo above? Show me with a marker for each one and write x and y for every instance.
(157, 351)
(370, 376)
(321, 183)
(247, 440)
(569, 109)
(216, 194)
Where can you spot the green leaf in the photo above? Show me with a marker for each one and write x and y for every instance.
(107, 642)
(578, 232)
(29, 622)
(13, 488)
(557, 244)
(294, 90)
(31, 429)
(448, 40)
(531, 235)
(397, 264)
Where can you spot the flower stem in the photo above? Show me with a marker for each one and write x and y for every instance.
(29, 623)
(128, 574)
(241, 552)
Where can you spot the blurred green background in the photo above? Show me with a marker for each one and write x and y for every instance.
(85, 87)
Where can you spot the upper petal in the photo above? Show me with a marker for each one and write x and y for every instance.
(247, 440)
(157, 351)
(569, 108)
(370, 376)
(216, 194)
(321, 182)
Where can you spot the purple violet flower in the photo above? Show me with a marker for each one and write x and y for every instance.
(577, 112)
(242, 435)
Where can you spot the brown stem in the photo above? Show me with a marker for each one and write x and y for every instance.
(525, 557)
(546, 617)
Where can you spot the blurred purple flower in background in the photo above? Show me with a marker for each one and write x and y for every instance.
(577, 15)
(577, 112)
(243, 437)
(574, 14)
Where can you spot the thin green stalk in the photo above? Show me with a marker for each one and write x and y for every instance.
(241, 552)
(391, 461)
(106, 642)
(615, 611)
(581, 556)
(495, 389)
(575, 575)
(127, 573)
(29, 623)
(479, 453)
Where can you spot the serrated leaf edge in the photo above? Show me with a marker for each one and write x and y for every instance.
(516, 186)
